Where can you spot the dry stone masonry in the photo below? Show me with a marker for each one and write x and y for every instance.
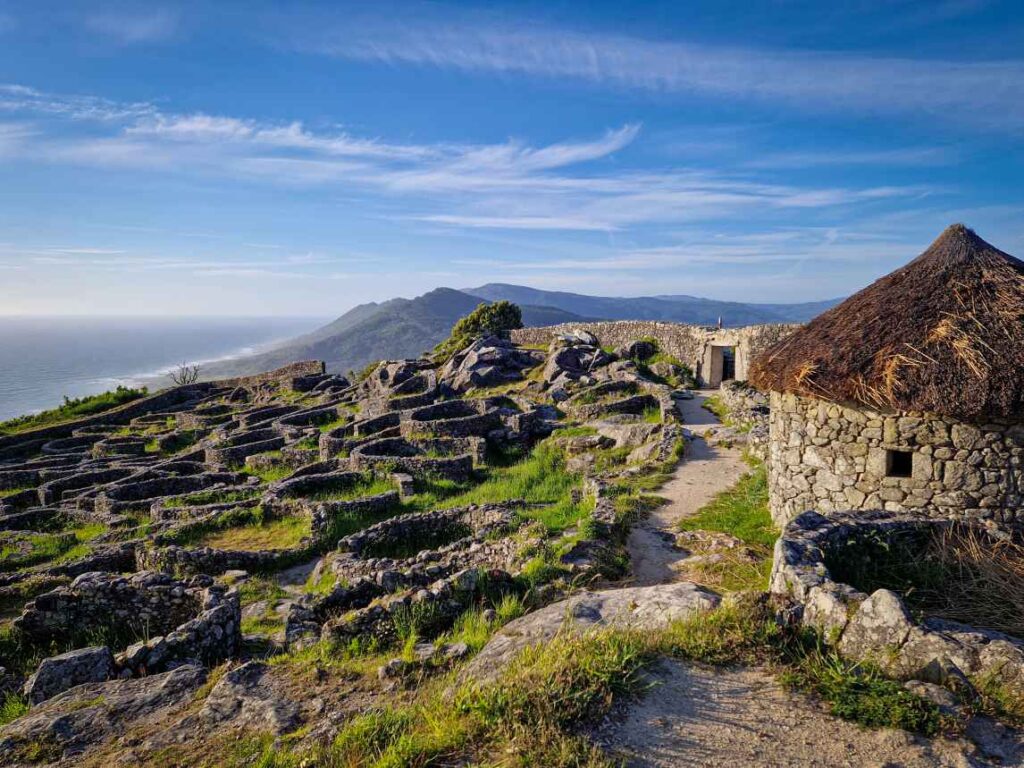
(831, 458)
(155, 508)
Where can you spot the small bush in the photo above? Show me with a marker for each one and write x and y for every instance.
(12, 707)
(497, 318)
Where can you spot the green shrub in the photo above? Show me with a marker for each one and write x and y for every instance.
(496, 318)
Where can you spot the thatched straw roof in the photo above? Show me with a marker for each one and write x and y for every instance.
(943, 334)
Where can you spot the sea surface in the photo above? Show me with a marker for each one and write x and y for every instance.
(42, 359)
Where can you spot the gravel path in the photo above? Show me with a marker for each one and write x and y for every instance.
(703, 473)
(711, 716)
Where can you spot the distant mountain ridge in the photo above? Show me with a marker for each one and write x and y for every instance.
(391, 329)
(678, 308)
(400, 327)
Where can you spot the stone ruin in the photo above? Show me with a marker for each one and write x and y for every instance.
(879, 627)
(174, 622)
(158, 510)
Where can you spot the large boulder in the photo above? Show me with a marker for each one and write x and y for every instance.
(644, 608)
(488, 362)
(641, 349)
(95, 713)
(571, 363)
(628, 431)
(248, 698)
(59, 673)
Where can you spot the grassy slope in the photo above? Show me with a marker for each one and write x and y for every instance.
(72, 409)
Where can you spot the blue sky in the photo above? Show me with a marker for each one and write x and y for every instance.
(287, 158)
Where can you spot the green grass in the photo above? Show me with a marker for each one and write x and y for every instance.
(368, 485)
(323, 584)
(12, 707)
(741, 511)
(268, 474)
(73, 408)
(13, 491)
(716, 406)
(212, 496)
(474, 630)
(576, 431)
(334, 423)
(277, 533)
(22, 550)
(861, 693)
(539, 478)
(257, 589)
(652, 415)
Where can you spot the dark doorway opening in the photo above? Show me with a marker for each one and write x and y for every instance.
(728, 363)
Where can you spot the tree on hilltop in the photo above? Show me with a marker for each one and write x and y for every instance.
(495, 319)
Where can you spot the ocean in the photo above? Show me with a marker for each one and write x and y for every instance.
(42, 359)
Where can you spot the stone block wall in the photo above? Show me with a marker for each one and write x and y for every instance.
(830, 458)
(879, 627)
(96, 602)
(692, 344)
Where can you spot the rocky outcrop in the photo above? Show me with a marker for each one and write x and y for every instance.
(488, 362)
(95, 713)
(642, 608)
(58, 673)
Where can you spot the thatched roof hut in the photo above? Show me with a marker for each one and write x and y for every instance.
(944, 334)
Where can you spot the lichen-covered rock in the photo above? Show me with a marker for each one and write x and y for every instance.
(59, 673)
(488, 362)
(247, 697)
(95, 713)
(881, 623)
(636, 607)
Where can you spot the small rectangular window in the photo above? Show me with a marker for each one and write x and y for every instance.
(899, 463)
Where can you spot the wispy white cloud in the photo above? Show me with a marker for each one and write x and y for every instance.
(986, 93)
(570, 185)
(20, 98)
(131, 26)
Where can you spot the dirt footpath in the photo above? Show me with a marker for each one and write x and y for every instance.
(703, 473)
(712, 716)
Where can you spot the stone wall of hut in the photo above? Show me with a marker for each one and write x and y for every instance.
(828, 457)
(692, 344)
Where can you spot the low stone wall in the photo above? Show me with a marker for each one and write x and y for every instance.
(452, 418)
(879, 627)
(748, 409)
(442, 601)
(633, 404)
(390, 455)
(79, 444)
(101, 602)
(138, 496)
(692, 344)
(57, 490)
(230, 456)
(178, 560)
(829, 457)
(421, 526)
(282, 375)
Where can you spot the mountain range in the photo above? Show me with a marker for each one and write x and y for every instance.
(407, 327)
